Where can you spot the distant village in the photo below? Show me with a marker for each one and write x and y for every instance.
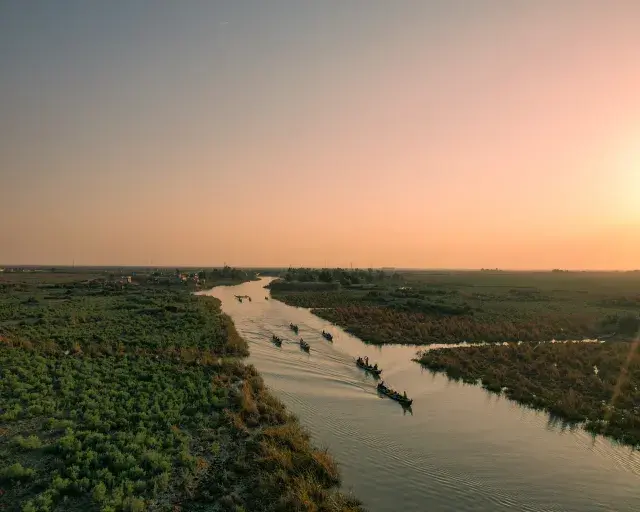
(119, 277)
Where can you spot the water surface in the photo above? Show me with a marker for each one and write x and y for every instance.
(461, 448)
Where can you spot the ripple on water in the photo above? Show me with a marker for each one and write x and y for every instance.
(463, 449)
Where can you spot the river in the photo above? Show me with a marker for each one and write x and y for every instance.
(460, 449)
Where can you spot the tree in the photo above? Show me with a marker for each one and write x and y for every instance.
(629, 325)
(370, 277)
(325, 276)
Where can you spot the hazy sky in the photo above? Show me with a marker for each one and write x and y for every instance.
(415, 133)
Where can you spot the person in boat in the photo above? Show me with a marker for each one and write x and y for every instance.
(404, 395)
(375, 366)
(366, 360)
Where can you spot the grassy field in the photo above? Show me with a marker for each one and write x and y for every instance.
(134, 397)
(450, 307)
(595, 383)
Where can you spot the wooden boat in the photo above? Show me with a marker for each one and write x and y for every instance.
(368, 367)
(276, 340)
(304, 345)
(327, 336)
(394, 395)
(294, 328)
(266, 298)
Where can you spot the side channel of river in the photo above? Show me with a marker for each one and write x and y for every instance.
(461, 449)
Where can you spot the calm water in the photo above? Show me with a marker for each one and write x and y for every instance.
(462, 449)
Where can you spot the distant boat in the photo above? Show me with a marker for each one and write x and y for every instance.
(276, 340)
(304, 345)
(294, 328)
(327, 336)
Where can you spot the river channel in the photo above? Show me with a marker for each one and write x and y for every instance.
(460, 449)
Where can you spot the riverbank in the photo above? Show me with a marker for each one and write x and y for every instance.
(594, 384)
(135, 398)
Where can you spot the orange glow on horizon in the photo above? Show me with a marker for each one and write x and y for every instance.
(413, 135)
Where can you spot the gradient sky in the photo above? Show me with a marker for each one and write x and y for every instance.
(416, 133)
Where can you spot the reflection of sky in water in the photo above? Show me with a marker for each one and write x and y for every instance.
(462, 448)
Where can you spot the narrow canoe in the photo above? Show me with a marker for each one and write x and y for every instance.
(369, 368)
(394, 395)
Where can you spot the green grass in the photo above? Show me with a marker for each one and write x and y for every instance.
(558, 377)
(135, 398)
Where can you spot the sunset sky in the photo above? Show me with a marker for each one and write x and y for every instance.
(417, 133)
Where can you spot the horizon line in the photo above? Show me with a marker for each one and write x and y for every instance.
(274, 267)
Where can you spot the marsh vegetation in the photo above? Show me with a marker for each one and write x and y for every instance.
(449, 307)
(131, 397)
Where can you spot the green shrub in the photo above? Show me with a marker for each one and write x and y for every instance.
(29, 443)
(16, 472)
